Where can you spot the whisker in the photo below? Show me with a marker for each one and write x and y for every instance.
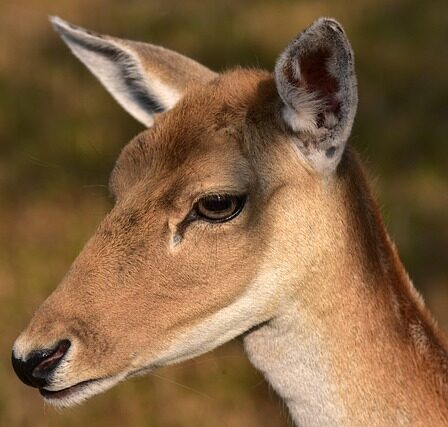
(207, 360)
(258, 384)
(92, 146)
(168, 380)
(94, 186)
(36, 161)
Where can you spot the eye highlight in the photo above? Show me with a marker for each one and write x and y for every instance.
(219, 207)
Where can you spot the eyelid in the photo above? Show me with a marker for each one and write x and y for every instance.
(218, 191)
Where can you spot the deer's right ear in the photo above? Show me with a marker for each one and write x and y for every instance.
(316, 80)
(144, 79)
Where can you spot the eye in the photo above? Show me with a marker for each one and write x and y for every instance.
(219, 207)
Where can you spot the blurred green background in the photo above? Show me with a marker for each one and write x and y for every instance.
(60, 133)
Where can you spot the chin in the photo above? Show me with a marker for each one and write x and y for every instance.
(79, 393)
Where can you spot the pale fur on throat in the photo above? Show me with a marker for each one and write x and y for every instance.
(288, 351)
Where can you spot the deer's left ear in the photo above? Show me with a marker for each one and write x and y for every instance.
(316, 80)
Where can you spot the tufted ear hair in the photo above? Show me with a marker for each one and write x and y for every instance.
(316, 80)
(144, 79)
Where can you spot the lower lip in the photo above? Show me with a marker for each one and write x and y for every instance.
(65, 392)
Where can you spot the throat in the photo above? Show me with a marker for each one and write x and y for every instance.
(346, 351)
(346, 367)
(291, 357)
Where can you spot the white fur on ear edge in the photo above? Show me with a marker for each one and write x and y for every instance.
(144, 79)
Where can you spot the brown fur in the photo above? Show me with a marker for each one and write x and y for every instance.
(400, 355)
(129, 294)
(156, 179)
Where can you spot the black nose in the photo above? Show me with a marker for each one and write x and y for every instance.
(40, 364)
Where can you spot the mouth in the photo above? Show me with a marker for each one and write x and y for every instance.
(78, 393)
(66, 392)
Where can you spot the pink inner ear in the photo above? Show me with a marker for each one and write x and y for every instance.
(316, 78)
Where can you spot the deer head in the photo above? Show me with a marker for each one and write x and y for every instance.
(217, 214)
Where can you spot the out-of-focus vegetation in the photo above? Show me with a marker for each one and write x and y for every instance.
(60, 133)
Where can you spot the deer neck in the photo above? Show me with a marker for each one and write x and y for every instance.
(354, 342)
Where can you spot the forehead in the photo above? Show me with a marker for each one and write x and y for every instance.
(211, 130)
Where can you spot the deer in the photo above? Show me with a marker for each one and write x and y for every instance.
(241, 211)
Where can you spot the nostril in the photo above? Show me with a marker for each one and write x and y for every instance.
(48, 360)
(40, 364)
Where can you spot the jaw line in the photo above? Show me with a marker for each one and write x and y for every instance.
(78, 393)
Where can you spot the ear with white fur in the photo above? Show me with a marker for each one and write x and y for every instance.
(316, 80)
(143, 78)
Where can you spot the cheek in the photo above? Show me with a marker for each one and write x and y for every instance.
(217, 266)
(208, 272)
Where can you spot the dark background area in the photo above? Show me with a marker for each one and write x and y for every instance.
(60, 133)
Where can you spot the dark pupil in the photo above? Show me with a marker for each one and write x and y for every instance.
(217, 203)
